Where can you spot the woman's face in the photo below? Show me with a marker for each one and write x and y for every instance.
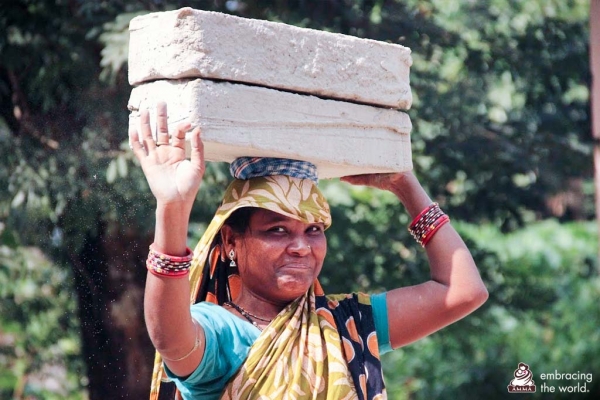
(279, 257)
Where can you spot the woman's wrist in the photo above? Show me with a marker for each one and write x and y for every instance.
(174, 206)
(411, 194)
(172, 221)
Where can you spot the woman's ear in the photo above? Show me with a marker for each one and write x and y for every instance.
(228, 241)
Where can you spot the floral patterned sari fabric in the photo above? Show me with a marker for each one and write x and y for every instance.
(303, 354)
(318, 347)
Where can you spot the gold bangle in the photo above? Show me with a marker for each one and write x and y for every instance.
(196, 345)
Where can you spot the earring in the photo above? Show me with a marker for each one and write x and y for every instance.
(232, 258)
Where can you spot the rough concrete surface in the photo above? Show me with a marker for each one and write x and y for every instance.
(189, 43)
(341, 138)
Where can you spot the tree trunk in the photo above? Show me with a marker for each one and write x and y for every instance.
(110, 279)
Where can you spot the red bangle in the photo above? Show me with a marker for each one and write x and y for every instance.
(158, 271)
(427, 223)
(189, 255)
(434, 228)
(421, 214)
(165, 265)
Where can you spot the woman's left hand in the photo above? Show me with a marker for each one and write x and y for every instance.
(391, 182)
(404, 185)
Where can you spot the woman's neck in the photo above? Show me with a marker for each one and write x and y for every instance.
(258, 306)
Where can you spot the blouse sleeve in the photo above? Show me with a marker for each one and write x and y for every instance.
(380, 315)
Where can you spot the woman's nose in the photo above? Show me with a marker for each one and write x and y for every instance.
(299, 245)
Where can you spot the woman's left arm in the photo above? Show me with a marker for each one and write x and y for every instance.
(455, 289)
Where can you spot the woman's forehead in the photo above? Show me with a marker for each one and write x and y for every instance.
(264, 216)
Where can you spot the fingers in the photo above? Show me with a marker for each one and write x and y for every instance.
(134, 143)
(175, 139)
(162, 128)
(357, 179)
(146, 131)
(380, 181)
(197, 154)
(178, 136)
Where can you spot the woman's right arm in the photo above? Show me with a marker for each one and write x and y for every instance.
(174, 182)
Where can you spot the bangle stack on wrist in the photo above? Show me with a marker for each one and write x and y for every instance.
(165, 265)
(427, 223)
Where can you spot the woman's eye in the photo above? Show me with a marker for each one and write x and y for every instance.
(277, 229)
(315, 229)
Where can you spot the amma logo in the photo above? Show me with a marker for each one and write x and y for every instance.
(523, 381)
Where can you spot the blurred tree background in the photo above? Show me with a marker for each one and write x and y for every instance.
(501, 139)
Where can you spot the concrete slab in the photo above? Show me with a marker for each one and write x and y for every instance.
(237, 120)
(189, 43)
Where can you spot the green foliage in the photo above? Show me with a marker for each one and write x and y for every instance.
(39, 334)
(542, 311)
(369, 248)
(503, 113)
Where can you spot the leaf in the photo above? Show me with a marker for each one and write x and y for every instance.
(18, 199)
(122, 166)
(111, 172)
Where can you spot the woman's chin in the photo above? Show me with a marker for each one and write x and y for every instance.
(294, 286)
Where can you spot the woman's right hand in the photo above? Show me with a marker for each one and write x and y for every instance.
(173, 179)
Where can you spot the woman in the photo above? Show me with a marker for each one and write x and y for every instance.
(272, 332)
